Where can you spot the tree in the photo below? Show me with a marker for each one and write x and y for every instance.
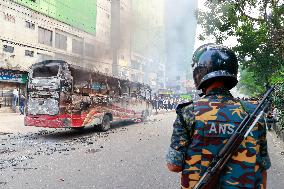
(258, 26)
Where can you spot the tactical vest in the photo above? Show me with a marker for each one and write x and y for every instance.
(215, 121)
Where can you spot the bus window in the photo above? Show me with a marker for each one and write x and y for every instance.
(124, 89)
(52, 102)
(105, 89)
(46, 71)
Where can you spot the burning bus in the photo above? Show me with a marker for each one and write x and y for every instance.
(61, 95)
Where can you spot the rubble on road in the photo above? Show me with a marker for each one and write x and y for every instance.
(45, 142)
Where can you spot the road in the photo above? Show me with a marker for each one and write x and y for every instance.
(127, 156)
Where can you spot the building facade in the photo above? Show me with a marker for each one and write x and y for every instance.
(148, 39)
(121, 30)
(124, 38)
(32, 31)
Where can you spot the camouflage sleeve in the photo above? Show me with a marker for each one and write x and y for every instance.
(180, 136)
(264, 160)
(265, 163)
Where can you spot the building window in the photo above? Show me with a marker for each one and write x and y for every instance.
(44, 36)
(77, 46)
(89, 50)
(60, 41)
(8, 49)
(30, 25)
(29, 53)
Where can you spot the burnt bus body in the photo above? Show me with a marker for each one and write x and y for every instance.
(61, 95)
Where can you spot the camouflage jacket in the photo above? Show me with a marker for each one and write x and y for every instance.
(201, 130)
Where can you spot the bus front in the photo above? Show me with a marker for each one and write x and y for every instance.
(44, 91)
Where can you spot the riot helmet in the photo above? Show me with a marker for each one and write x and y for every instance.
(212, 62)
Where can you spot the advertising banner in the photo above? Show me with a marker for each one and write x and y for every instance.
(13, 76)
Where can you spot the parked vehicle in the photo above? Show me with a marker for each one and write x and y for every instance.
(61, 95)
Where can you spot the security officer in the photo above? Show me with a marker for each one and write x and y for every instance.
(202, 127)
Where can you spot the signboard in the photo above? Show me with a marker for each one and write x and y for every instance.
(13, 76)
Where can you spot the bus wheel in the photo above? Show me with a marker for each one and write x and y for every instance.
(105, 125)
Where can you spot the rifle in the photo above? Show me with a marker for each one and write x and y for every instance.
(211, 177)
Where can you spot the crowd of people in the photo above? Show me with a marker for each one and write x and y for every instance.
(171, 102)
(166, 102)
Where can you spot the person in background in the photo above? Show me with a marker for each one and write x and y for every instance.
(160, 103)
(170, 103)
(22, 104)
(155, 103)
(275, 114)
(15, 98)
(165, 103)
(269, 120)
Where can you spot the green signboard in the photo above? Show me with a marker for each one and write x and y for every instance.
(81, 14)
(13, 76)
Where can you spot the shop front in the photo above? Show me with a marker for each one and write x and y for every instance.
(9, 81)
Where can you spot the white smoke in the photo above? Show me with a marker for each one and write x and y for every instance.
(180, 36)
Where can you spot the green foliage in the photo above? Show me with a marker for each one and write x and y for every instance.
(258, 26)
(277, 77)
(248, 84)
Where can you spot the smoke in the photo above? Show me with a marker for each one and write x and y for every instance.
(149, 37)
(180, 38)
(161, 31)
(138, 32)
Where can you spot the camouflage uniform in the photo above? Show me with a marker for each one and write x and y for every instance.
(201, 130)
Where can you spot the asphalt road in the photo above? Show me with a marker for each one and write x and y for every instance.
(128, 156)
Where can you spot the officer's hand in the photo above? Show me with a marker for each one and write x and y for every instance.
(174, 168)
